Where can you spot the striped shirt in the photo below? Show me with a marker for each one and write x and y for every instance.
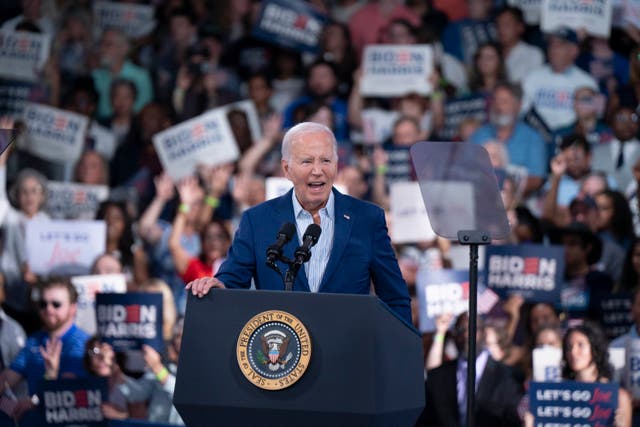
(322, 250)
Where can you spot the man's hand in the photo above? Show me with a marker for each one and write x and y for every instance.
(200, 287)
(51, 356)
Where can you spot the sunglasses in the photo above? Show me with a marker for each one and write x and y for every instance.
(55, 304)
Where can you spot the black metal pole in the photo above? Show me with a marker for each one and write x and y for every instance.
(473, 312)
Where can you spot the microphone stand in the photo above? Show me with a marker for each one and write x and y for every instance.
(292, 271)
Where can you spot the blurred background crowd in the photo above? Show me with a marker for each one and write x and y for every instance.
(557, 112)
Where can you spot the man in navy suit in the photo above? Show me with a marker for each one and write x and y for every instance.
(352, 251)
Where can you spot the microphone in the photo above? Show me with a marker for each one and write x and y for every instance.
(283, 237)
(310, 238)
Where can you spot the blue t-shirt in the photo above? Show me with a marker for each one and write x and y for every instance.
(30, 365)
(525, 146)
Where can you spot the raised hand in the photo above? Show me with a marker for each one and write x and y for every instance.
(165, 189)
(51, 355)
(558, 165)
(189, 190)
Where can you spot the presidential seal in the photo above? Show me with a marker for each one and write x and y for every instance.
(273, 350)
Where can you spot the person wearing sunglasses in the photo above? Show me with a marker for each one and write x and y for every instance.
(56, 351)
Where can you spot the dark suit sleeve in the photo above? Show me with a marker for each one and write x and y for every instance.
(240, 265)
(385, 272)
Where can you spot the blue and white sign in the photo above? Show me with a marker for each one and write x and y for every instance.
(88, 287)
(458, 109)
(23, 54)
(74, 402)
(289, 23)
(53, 134)
(440, 292)
(571, 403)
(205, 139)
(533, 271)
(530, 10)
(614, 314)
(127, 321)
(592, 16)
(396, 70)
(134, 20)
(68, 200)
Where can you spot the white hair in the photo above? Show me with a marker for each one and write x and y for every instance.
(303, 129)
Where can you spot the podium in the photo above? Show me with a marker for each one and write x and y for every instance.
(366, 365)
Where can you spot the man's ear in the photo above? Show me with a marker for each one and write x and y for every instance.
(285, 168)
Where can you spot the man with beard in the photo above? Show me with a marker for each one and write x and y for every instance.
(322, 83)
(525, 146)
(54, 352)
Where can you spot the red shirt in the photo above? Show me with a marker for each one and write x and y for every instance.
(197, 269)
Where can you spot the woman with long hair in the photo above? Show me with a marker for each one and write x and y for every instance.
(585, 358)
(488, 69)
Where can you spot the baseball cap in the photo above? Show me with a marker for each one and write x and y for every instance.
(564, 33)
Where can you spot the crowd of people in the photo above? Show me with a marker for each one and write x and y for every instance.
(559, 118)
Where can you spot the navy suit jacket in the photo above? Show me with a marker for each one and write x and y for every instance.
(361, 252)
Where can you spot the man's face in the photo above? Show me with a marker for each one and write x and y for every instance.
(574, 251)
(322, 81)
(182, 30)
(406, 133)
(504, 103)
(578, 161)
(562, 53)
(312, 168)
(509, 29)
(56, 309)
(112, 48)
(399, 34)
(625, 124)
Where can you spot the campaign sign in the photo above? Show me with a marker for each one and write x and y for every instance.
(530, 10)
(614, 314)
(440, 292)
(571, 403)
(409, 219)
(67, 200)
(395, 70)
(205, 139)
(593, 16)
(632, 368)
(88, 287)
(630, 12)
(276, 186)
(126, 321)
(533, 271)
(54, 134)
(74, 402)
(289, 23)
(458, 109)
(13, 96)
(134, 20)
(546, 364)
(130, 422)
(248, 108)
(64, 247)
(23, 54)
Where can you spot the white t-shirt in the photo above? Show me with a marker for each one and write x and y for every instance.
(521, 60)
(552, 94)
